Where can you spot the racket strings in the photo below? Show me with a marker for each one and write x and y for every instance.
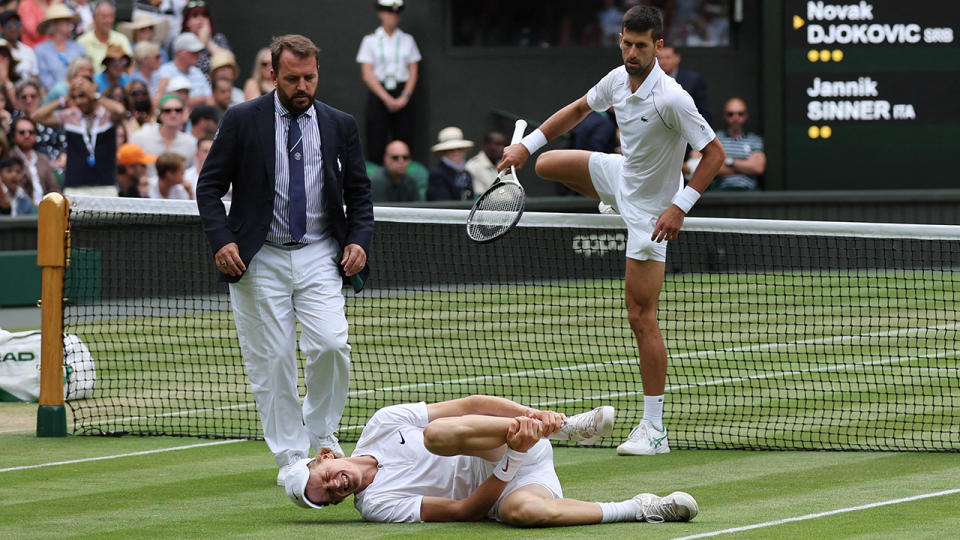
(496, 212)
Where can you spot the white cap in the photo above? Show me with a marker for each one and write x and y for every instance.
(178, 82)
(296, 484)
(187, 41)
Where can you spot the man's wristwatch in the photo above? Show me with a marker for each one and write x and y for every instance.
(728, 162)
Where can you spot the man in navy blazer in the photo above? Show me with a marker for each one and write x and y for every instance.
(300, 225)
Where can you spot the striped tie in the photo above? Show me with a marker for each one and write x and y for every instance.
(297, 191)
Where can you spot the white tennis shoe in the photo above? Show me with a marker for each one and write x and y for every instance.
(645, 440)
(605, 208)
(677, 506)
(587, 427)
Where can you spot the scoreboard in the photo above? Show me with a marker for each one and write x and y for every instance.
(871, 94)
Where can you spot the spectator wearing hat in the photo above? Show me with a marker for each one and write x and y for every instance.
(179, 86)
(169, 10)
(166, 135)
(223, 74)
(39, 176)
(198, 21)
(115, 64)
(26, 58)
(55, 54)
(97, 40)
(91, 139)
(146, 28)
(132, 164)
(389, 60)
(186, 52)
(449, 179)
(147, 58)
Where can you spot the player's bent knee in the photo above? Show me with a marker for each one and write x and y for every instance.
(527, 511)
(546, 166)
(441, 437)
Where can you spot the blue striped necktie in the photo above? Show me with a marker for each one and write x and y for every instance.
(297, 190)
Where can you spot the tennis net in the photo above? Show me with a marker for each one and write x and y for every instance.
(781, 335)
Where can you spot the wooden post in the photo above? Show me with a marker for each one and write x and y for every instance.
(53, 246)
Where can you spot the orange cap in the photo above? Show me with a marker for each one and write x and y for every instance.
(130, 153)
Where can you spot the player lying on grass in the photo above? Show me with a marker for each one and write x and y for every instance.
(465, 460)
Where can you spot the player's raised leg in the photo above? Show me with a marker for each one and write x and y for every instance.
(569, 167)
(643, 282)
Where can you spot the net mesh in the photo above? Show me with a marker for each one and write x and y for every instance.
(781, 335)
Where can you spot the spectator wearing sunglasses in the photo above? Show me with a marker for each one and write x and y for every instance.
(51, 142)
(166, 135)
(392, 183)
(746, 161)
(102, 35)
(55, 54)
(23, 53)
(115, 64)
(38, 172)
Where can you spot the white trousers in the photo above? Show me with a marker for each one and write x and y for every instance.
(280, 288)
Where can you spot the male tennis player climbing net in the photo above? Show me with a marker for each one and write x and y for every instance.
(465, 460)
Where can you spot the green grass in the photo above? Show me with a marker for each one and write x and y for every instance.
(228, 491)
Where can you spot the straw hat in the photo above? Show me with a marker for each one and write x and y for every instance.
(222, 59)
(451, 138)
(115, 52)
(56, 12)
(160, 26)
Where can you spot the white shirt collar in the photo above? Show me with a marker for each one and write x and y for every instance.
(646, 88)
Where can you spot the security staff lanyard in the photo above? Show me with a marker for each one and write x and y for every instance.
(390, 79)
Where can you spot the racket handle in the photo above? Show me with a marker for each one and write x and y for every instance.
(518, 129)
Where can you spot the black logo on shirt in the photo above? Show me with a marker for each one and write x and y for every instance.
(401, 438)
(643, 118)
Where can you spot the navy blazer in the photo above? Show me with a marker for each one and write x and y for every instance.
(243, 154)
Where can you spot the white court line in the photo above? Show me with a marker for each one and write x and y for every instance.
(578, 367)
(26, 430)
(820, 514)
(100, 458)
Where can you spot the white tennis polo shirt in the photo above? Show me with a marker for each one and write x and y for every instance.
(408, 471)
(656, 123)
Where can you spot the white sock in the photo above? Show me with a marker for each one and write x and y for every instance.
(653, 410)
(619, 511)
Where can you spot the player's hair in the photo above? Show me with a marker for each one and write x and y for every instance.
(643, 18)
(300, 46)
(169, 161)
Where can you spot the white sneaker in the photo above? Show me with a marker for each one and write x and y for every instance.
(677, 506)
(645, 440)
(587, 427)
(330, 442)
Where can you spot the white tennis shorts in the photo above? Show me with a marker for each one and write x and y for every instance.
(606, 173)
(537, 469)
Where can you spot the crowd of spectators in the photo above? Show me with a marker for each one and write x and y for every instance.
(92, 105)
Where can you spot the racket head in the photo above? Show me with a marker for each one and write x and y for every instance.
(496, 212)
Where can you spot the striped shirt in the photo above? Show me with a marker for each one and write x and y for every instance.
(738, 148)
(309, 146)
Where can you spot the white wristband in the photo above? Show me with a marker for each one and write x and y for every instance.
(509, 465)
(686, 199)
(534, 141)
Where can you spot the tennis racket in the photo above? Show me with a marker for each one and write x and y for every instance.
(498, 210)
